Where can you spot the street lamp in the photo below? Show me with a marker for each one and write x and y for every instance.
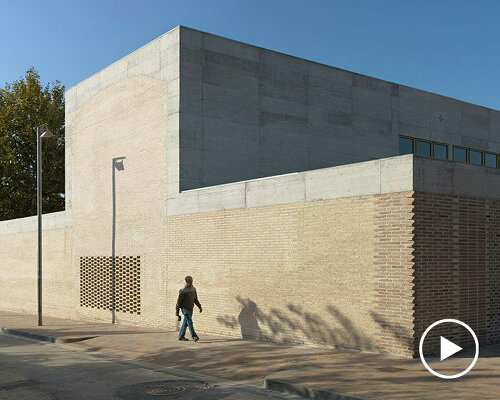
(42, 132)
(118, 165)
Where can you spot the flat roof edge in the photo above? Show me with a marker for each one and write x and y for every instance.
(455, 179)
(406, 173)
(388, 175)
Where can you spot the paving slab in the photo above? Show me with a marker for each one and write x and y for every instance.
(312, 372)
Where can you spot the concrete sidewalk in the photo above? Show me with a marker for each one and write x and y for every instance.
(308, 371)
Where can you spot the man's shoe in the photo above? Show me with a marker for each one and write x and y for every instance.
(196, 338)
(183, 339)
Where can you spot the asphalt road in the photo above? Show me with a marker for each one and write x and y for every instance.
(33, 370)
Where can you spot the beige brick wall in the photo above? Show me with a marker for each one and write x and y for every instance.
(18, 271)
(303, 273)
(128, 120)
(315, 273)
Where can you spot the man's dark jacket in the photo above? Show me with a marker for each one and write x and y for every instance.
(187, 298)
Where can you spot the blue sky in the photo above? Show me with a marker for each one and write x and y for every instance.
(447, 47)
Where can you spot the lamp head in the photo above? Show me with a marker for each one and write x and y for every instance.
(45, 133)
(118, 163)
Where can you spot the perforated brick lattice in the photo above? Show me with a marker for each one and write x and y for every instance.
(96, 283)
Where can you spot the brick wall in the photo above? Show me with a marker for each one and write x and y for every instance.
(126, 119)
(18, 273)
(323, 272)
(457, 264)
(393, 309)
(335, 272)
(368, 273)
(493, 272)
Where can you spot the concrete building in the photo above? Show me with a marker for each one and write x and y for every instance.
(283, 186)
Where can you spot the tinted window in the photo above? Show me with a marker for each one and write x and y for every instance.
(459, 154)
(405, 146)
(476, 157)
(490, 160)
(441, 151)
(423, 148)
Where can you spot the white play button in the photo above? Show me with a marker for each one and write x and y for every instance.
(448, 348)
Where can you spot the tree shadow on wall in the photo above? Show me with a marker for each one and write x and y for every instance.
(295, 324)
(401, 333)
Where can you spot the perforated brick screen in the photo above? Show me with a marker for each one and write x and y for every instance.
(97, 284)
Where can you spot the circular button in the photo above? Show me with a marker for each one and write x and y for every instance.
(448, 348)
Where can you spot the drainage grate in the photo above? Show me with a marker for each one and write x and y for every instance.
(164, 390)
(171, 390)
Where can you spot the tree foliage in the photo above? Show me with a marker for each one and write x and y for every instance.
(24, 105)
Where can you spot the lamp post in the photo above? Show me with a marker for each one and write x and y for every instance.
(118, 165)
(42, 132)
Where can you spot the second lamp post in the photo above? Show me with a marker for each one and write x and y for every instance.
(42, 132)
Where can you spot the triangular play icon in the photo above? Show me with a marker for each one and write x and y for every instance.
(448, 348)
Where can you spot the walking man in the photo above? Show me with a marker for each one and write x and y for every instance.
(186, 301)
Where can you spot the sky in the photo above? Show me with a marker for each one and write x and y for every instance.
(446, 47)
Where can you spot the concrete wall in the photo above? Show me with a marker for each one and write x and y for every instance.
(451, 178)
(249, 112)
(389, 175)
(372, 177)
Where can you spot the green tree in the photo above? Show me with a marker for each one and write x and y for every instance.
(24, 105)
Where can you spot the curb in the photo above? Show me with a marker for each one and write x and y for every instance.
(43, 338)
(307, 392)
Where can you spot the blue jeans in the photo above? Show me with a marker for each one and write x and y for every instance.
(187, 322)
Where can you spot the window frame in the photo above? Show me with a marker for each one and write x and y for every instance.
(469, 149)
(497, 158)
(447, 150)
(414, 146)
(466, 154)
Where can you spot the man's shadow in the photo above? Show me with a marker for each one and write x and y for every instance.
(248, 319)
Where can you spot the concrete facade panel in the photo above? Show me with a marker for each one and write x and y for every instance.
(284, 189)
(414, 100)
(329, 74)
